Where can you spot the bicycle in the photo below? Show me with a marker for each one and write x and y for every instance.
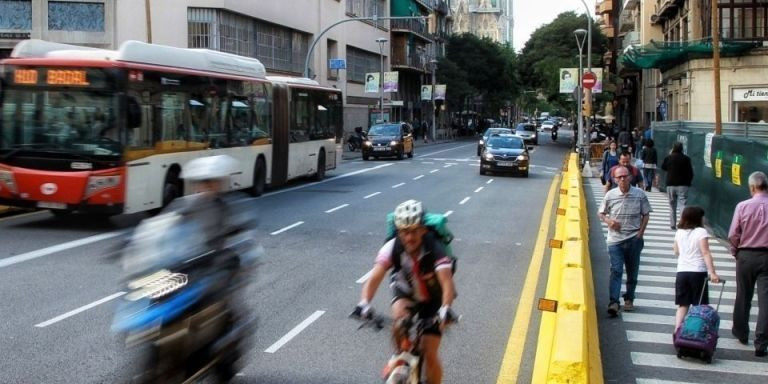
(406, 364)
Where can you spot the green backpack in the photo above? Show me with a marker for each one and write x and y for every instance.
(435, 222)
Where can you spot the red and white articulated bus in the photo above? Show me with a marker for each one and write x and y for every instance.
(103, 131)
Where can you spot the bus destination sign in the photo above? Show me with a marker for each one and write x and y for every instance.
(66, 77)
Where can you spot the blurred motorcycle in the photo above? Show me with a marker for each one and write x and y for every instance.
(182, 311)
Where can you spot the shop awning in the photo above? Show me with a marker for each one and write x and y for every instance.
(664, 55)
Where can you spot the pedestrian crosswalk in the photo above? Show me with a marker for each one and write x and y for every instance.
(649, 328)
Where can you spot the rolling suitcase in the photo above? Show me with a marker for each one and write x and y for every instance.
(697, 336)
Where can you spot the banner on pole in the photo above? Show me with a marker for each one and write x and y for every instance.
(372, 82)
(390, 81)
(426, 92)
(569, 78)
(440, 92)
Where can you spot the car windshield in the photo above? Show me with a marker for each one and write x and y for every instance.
(526, 127)
(496, 131)
(499, 142)
(385, 130)
(65, 121)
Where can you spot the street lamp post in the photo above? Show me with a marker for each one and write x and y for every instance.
(434, 67)
(381, 42)
(580, 34)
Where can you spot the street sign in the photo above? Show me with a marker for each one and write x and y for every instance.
(588, 80)
(337, 64)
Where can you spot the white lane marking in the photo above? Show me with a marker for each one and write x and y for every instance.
(465, 200)
(294, 225)
(728, 295)
(447, 213)
(353, 173)
(489, 181)
(655, 381)
(434, 170)
(663, 338)
(78, 310)
(725, 325)
(294, 332)
(427, 162)
(21, 215)
(398, 185)
(365, 277)
(372, 195)
(479, 189)
(337, 208)
(446, 150)
(718, 365)
(447, 165)
(56, 248)
(418, 177)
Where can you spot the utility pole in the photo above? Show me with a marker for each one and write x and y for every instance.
(716, 66)
(149, 20)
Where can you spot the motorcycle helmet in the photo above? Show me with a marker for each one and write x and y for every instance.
(209, 168)
(408, 214)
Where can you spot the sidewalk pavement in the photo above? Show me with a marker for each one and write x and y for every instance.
(418, 144)
(637, 346)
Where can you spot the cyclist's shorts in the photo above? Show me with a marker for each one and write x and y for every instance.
(427, 310)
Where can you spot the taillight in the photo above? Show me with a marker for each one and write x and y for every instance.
(7, 181)
(100, 183)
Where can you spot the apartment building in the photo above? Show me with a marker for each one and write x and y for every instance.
(674, 38)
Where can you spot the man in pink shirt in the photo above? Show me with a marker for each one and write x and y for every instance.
(749, 245)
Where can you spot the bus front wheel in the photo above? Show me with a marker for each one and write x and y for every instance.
(320, 166)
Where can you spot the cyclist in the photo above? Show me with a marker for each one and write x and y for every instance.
(421, 278)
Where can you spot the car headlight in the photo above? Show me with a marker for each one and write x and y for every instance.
(367, 143)
(533, 136)
(521, 158)
(488, 156)
(481, 142)
(393, 143)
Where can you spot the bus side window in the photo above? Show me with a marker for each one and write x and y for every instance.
(169, 116)
(261, 101)
(198, 121)
(139, 121)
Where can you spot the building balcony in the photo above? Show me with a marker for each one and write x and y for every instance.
(631, 38)
(605, 7)
(402, 61)
(665, 9)
(439, 6)
(609, 32)
(415, 27)
(627, 21)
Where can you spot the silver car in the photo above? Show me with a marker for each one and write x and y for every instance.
(528, 132)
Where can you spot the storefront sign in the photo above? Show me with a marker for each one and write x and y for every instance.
(750, 94)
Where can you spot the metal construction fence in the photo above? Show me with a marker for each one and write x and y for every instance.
(721, 163)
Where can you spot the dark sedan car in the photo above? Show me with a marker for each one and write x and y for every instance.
(507, 154)
(389, 139)
(487, 134)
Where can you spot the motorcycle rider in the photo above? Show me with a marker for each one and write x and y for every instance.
(199, 249)
(356, 140)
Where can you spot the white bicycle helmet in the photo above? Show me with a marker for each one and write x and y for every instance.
(408, 214)
(210, 167)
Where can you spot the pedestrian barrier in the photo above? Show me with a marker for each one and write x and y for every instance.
(568, 349)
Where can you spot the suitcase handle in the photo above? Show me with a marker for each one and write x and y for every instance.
(704, 287)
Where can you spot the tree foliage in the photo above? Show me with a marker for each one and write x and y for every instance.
(478, 67)
(553, 46)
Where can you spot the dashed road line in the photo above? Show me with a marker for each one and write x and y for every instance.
(418, 177)
(294, 332)
(365, 277)
(447, 213)
(337, 208)
(489, 181)
(434, 170)
(372, 195)
(78, 310)
(479, 189)
(56, 248)
(398, 185)
(465, 200)
(294, 225)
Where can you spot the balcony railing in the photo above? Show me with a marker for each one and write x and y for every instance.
(413, 61)
(414, 26)
(626, 21)
(631, 38)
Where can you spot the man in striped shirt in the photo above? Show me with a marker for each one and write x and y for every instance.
(626, 211)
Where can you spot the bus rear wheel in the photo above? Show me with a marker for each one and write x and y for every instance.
(259, 179)
(320, 166)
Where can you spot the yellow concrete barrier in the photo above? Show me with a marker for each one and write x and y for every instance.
(568, 349)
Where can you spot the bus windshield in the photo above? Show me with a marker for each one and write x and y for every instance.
(79, 122)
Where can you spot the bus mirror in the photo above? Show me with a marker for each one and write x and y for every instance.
(134, 113)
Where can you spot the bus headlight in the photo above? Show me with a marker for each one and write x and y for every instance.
(99, 183)
(6, 179)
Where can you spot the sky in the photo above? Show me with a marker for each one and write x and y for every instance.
(531, 14)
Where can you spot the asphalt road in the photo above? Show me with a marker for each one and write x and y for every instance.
(60, 278)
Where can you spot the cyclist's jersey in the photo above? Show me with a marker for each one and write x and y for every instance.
(416, 279)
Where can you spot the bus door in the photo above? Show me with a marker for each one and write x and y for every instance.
(280, 135)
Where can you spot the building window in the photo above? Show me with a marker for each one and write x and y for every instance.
(367, 8)
(743, 19)
(16, 14)
(359, 63)
(72, 16)
(201, 26)
(281, 49)
(220, 30)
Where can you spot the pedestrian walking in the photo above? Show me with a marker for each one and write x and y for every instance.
(425, 129)
(679, 177)
(748, 236)
(650, 159)
(610, 159)
(626, 211)
(694, 263)
(635, 177)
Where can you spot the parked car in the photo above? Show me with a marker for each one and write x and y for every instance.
(528, 132)
(488, 133)
(505, 154)
(389, 139)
